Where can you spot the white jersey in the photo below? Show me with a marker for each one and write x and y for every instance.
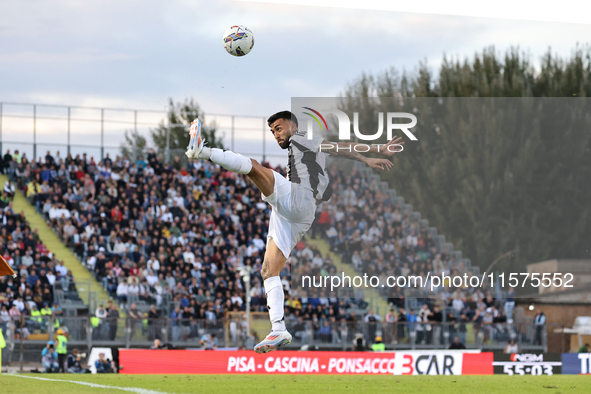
(307, 165)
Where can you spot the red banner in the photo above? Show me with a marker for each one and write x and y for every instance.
(295, 362)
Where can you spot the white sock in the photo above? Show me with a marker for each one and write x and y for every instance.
(231, 161)
(274, 291)
(205, 153)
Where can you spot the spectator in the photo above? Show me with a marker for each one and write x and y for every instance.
(372, 318)
(457, 303)
(36, 319)
(539, 323)
(390, 327)
(401, 326)
(487, 325)
(586, 348)
(112, 320)
(122, 292)
(6, 162)
(462, 327)
(153, 323)
(510, 302)
(135, 318)
(101, 315)
(4, 317)
(57, 313)
(187, 315)
(511, 348)
(412, 323)
(176, 316)
(325, 333)
(435, 318)
(9, 189)
(456, 344)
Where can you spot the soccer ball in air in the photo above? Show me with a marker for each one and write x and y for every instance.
(238, 40)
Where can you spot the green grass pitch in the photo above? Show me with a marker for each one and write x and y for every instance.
(251, 384)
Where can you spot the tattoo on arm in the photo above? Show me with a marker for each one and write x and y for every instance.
(352, 155)
(342, 149)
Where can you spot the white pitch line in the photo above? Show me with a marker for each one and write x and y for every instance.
(95, 385)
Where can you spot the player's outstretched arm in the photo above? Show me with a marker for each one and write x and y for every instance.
(347, 150)
(393, 146)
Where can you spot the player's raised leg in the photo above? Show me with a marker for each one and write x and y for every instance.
(262, 177)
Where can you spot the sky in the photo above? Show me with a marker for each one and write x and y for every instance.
(138, 54)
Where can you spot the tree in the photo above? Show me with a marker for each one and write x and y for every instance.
(180, 116)
(510, 184)
(134, 146)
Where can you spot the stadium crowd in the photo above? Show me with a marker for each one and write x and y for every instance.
(151, 232)
(375, 236)
(26, 301)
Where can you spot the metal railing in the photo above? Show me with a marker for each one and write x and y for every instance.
(74, 293)
(413, 336)
(36, 128)
(95, 152)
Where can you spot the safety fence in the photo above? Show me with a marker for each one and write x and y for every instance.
(138, 330)
(34, 129)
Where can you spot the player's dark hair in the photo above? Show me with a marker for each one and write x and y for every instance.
(287, 115)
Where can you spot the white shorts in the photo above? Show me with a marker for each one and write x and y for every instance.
(292, 214)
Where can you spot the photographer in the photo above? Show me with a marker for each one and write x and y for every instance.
(73, 363)
(104, 365)
(209, 341)
(49, 358)
(359, 344)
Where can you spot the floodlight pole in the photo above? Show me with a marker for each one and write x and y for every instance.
(69, 117)
(232, 143)
(34, 132)
(0, 128)
(102, 134)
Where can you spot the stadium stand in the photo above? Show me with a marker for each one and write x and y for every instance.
(167, 242)
(43, 285)
(176, 240)
(375, 232)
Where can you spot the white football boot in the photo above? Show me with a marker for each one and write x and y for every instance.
(273, 341)
(197, 141)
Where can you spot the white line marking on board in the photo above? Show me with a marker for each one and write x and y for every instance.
(95, 385)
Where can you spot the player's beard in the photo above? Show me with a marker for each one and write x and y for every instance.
(284, 144)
